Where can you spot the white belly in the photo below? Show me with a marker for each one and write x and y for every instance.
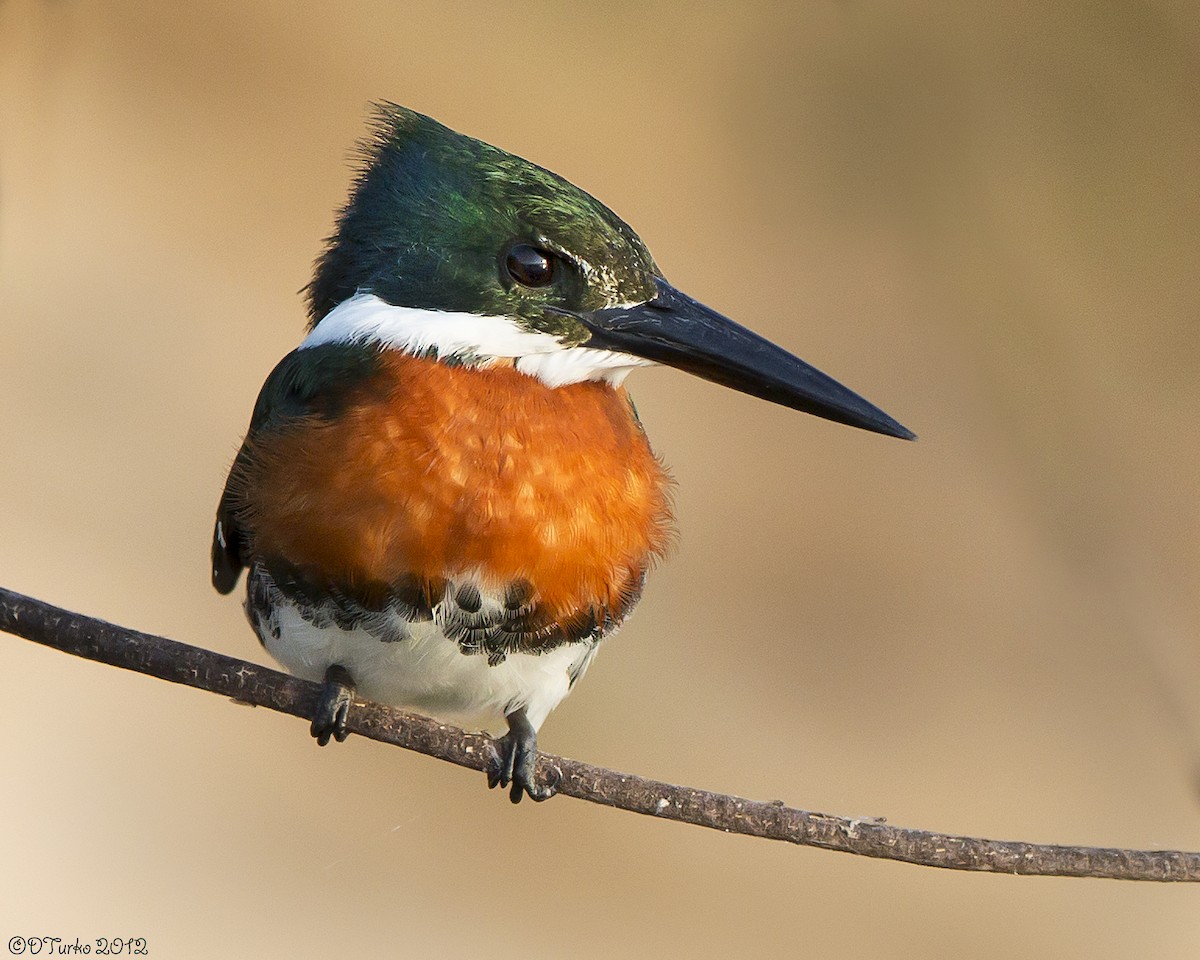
(425, 671)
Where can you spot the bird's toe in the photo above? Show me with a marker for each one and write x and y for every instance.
(333, 706)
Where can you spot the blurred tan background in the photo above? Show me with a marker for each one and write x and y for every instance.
(986, 221)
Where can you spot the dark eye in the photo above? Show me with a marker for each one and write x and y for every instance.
(529, 266)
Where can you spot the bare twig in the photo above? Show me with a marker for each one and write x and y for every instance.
(251, 683)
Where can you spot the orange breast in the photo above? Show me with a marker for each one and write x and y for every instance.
(439, 471)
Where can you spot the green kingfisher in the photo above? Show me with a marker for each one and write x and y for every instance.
(445, 499)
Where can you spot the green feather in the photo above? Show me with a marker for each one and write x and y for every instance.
(433, 212)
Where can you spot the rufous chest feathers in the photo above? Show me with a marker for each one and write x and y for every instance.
(430, 472)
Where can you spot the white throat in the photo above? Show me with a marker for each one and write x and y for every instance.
(364, 318)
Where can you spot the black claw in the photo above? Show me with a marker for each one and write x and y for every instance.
(515, 763)
(333, 706)
(501, 770)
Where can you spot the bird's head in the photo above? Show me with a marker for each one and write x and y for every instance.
(453, 248)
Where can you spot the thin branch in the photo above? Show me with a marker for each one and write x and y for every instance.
(251, 683)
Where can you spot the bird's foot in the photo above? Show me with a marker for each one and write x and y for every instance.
(515, 764)
(333, 706)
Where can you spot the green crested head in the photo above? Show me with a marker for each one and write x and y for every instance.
(453, 250)
(441, 221)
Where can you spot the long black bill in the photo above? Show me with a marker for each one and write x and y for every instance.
(676, 330)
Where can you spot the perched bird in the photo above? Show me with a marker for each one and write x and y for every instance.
(445, 499)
